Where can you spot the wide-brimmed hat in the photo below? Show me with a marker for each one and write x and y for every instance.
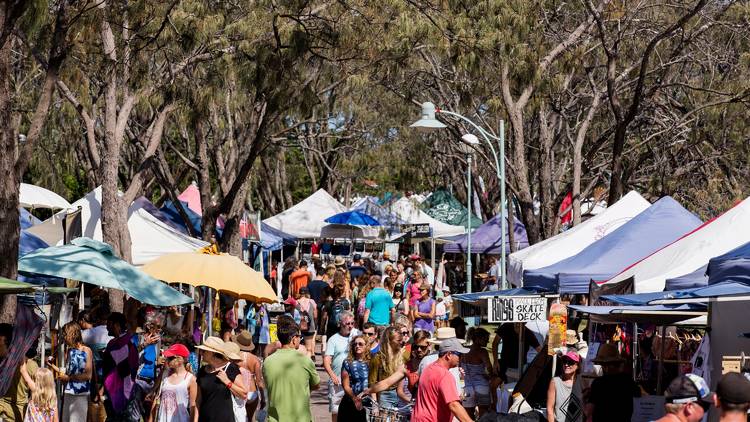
(232, 351)
(213, 344)
(444, 333)
(339, 261)
(452, 345)
(608, 353)
(245, 340)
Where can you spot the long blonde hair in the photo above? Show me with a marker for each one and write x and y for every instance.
(390, 358)
(44, 396)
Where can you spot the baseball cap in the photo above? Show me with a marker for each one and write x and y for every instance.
(452, 345)
(304, 290)
(290, 301)
(574, 356)
(733, 388)
(357, 257)
(176, 349)
(688, 388)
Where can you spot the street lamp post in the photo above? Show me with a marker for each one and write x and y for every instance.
(469, 143)
(428, 122)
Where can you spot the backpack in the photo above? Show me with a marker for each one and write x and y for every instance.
(305, 320)
(338, 307)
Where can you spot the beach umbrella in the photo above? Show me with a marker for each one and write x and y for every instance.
(352, 218)
(223, 272)
(94, 262)
(31, 196)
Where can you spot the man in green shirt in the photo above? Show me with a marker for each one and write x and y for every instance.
(289, 377)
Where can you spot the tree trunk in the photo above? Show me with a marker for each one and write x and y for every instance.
(547, 209)
(9, 185)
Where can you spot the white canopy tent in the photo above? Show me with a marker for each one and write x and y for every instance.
(150, 238)
(408, 211)
(574, 240)
(305, 219)
(691, 251)
(31, 196)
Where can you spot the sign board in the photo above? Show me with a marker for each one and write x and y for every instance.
(647, 408)
(416, 230)
(516, 309)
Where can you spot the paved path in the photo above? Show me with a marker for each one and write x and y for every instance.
(319, 397)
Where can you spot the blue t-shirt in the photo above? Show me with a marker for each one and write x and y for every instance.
(379, 302)
(358, 374)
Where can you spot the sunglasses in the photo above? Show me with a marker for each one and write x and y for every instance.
(350, 323)
(359, 344)
(569, 362)
(404, 333)
(369, 334)
(418, 347)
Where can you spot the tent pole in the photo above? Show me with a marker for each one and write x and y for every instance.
(210, 311)
(661, 361)
(432, 253)
(520, 348)
(635, 350)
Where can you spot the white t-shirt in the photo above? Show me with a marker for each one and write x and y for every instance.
(96, 336)
(429, 274)
(338, 348)
(440, 308)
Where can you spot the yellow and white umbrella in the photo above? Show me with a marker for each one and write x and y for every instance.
(223, 272)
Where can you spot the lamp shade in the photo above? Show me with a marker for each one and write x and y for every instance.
(469, 143)
(428, 120)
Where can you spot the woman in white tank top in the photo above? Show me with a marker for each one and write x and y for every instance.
(178, 389)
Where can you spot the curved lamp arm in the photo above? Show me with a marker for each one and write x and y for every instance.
(487, 136)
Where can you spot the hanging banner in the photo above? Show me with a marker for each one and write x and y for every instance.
(558, 324)
(416, 231)
(516, 309)
(250, 226)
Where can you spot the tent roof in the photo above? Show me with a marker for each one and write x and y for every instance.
(659, 225)
(443, 206)
(306, 218)
(725, 288)
(486, 238)
(574, 240)
(735, 263)
(689, 252)
(409, 212)
(192, 196)
(370, 206)
(516, 292)
(652, 314)
(696, 278)
(149, 236)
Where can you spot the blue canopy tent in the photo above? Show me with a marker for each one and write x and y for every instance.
(731, 287)
(27, 219)
(657, 226)
(486, 238)
(29, 243)
(696, 278)
(387, 219)
(734, 264)
(352, 218)
(651, 314)
(169, 210)
(515, 292)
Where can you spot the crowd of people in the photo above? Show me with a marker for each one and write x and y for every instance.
(384, 332)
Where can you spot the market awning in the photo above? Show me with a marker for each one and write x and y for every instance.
(516, 292)
(94, 262)
(223, 272)
(651, 314)
(8, 286)
(696, 294)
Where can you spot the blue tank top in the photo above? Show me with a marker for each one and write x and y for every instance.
(76, 365)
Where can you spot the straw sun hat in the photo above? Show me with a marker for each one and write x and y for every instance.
(245, 340)
(216, 345)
